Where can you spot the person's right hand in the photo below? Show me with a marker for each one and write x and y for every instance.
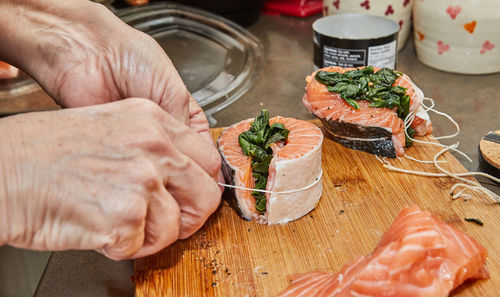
(123, 178)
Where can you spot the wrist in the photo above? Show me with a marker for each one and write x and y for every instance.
(41, 36)
(17, 181)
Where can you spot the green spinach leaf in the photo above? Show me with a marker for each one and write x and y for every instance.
(256, 143)
(366, 84)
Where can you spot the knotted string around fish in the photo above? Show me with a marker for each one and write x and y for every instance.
(467, 184)
(277, 192)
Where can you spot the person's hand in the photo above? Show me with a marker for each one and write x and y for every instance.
(82, 54)
(123, 178)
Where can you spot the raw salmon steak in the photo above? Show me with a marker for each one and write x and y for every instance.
(418, 256)
(296, 164)
(375, 130)
(8, 71)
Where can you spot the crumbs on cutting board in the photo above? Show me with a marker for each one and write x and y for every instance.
(339, 187)
(204, 243)
(211, 259)
(260, 271)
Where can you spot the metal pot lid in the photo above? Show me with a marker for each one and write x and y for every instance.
(217, 59)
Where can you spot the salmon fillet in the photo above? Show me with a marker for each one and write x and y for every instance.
(418, 256)
(295, 165)
(375, 130)
(7, 71)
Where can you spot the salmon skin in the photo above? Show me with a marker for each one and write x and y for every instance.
(419, 256)
(296, 164)
(374, 130)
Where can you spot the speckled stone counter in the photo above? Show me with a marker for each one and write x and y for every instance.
(474, 102)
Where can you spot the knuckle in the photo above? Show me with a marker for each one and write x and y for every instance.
(181, 164)
(132, 210)
(124, 250)
(151, 184)
(133, 207)
(148, 177)
(141, 107)
(133, 102)
(124, 242)
(149, 107)
(155, 135)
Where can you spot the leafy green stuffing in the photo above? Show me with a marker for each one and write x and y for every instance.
(256, 143)
(366, 84)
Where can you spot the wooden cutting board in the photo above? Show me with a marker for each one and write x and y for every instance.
(233, 257)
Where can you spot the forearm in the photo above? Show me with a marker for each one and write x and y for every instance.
(35, 33)
(8, 175)
(27, 27)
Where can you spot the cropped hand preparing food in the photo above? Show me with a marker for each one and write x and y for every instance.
(116, 177)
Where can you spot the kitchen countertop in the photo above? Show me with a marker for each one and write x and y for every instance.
(473, 101)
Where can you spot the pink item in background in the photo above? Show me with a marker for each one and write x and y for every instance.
(442, 47)
(459, 36)
(298, 8)
(487, 46)
(453, 11)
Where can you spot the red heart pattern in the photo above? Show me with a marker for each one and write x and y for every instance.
(336, 4)
(442, 47)
(406, 2)
(487, 46)
(453, 11)
(365, 4)
(389, 10)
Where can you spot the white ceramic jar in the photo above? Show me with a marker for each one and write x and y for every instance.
(396, 10)
(461, 36)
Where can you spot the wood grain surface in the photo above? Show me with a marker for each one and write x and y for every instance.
(233, 257)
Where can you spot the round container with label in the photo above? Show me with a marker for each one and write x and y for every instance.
(354, 40)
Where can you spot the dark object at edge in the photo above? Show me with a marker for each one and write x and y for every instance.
(486, 167)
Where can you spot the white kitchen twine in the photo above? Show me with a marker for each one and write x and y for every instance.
(467, 184)
(278, 192)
